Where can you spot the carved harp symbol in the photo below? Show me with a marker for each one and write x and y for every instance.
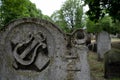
(25, 53)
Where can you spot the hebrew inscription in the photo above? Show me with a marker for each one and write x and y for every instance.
(25, 53)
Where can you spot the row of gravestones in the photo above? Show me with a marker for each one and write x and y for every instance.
(33, 49)
(110, 56)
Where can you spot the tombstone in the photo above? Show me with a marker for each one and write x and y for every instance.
(112, 64)
(33, 49)
(79, 55)
(103, 44)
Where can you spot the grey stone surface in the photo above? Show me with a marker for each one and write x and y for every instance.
(78, 61)
(103, 44)
(77, 66)
(79, 37)
(112, 64)
(33, 49)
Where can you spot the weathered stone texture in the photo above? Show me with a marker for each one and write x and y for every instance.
(33, 49)
(112, 64)
(103, 44)
(79, 39)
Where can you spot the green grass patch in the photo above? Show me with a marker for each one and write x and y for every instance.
(97, 67)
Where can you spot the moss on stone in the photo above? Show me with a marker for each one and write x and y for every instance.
(112, 55)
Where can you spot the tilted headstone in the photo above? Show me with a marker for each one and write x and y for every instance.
(103, 44)
(112, 64)
(33, 49)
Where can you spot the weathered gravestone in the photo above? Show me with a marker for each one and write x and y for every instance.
(103, 44)
(112, 64)
(78, 53)
(33, 49)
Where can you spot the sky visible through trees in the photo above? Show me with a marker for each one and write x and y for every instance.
(72, 17)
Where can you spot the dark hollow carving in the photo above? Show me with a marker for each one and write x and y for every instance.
(80, 35)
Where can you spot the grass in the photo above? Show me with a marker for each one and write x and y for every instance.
(97, 67)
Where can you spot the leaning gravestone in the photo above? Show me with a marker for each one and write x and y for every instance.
(103, 44)
(33, 49)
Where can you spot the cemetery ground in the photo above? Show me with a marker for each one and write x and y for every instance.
(97, 67)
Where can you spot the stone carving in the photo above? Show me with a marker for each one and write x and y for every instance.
(34, 49)
(79, 37)
(77, 66)
(26, 52)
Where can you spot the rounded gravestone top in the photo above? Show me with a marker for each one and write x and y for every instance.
(31, 46)
(79, 36)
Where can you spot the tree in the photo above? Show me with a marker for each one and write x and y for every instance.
(46, 17)
(99, 8)
(116, 28)
(33, 11)
(90, 26)
(58, 19)
(15, 9)
(103, 24)
(70, 15)
(0, 14)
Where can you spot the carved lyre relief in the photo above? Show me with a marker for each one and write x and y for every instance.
(26, 53)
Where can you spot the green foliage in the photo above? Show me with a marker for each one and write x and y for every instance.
(58, 18)
(90, 26)
(14, 9)
(96, 68)
(116, 27)
(105, 24)
(33, 11)
(98, 9)
(45, 17)
(72, 12)
(69, 17)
